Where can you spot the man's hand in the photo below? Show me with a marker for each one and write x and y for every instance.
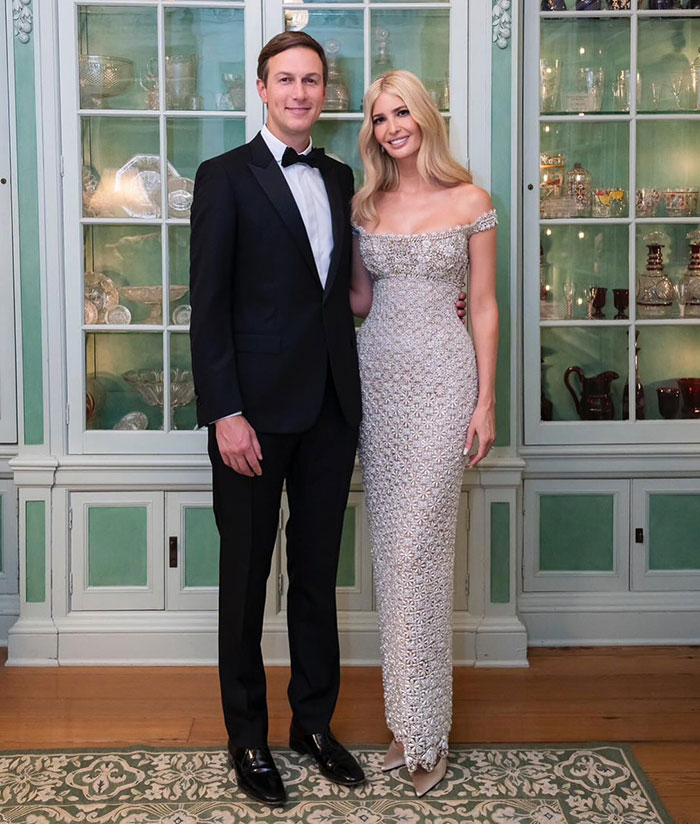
(461, 306)
(238, 445)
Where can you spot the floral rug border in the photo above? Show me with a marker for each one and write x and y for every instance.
(561, 783)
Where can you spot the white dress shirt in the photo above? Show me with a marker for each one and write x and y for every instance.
(309, 193)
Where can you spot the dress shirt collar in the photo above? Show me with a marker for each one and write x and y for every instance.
(276, 146)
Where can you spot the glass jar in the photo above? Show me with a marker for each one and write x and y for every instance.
(654, 288)
(578, 185)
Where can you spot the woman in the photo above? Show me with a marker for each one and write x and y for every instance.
(420, 225)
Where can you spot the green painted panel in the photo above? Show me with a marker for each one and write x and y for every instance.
(577, 533)
(117, 546)
(500, 552)
(29, 251)
(346, 565)
(501, 122)
(35, 551)
(674, 539)
(201, 549)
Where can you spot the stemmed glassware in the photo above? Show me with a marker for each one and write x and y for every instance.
(569, 290)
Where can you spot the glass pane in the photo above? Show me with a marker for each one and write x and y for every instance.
(598, 355)
(179, 267)
(190, 141)
(122, 274)
(584, 169)
(574, 261)
(417, 41)
(669, 369)
(183, 414)
(341, 34)
(668, 162)
(676, 259)
(339, 138)
(584, 65)
(124, 375)
(669, 64)
(204, 59)
(117, 45)
(121, 167)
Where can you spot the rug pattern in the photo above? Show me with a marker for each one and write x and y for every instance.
(599, 784)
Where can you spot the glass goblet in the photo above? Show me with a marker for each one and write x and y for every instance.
(599, 302)
(680, 289)
(621, 299)
(569, 290)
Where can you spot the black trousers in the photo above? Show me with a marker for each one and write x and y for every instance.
(316, 466)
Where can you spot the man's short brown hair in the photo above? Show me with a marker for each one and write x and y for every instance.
(290, 40)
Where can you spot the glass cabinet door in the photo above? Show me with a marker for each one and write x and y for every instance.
(155, 88)
(362, 40)
(611, 240)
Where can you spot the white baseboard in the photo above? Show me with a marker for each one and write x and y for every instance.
(611, 619)
(32, 642)
(189, 639)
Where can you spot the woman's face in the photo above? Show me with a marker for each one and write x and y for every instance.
(394, 128)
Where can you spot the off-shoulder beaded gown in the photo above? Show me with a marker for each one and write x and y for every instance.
(419, 390)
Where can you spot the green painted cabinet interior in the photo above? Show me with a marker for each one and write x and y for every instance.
(500, 552)
(35, 551)
(674, 532)
(348, 550)
(576, 533)
(117, 550)
(200, 549)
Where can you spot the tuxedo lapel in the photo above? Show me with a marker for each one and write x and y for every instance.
(271, 180)
(335, 198)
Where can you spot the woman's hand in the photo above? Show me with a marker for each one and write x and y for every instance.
(483, 428)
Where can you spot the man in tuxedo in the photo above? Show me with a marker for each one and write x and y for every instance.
(277, 383)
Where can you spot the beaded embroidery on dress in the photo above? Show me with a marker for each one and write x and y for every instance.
(419, 390)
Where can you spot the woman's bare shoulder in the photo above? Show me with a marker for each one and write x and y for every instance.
(471, 202)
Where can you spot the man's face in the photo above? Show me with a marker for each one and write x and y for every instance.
(294, 94)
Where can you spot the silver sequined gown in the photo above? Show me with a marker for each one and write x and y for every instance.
(419, 389)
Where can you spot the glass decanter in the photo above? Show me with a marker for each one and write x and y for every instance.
(577, 183)
(337, 94)
(383, 61)
(654, 288)
(690, 282)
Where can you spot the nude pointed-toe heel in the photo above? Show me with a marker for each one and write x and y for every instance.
(424, 780)
(394, 757)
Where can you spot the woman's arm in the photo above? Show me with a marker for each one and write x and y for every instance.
(483, 314)
(360, 283)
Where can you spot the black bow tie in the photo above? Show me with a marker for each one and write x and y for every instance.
(312, 158)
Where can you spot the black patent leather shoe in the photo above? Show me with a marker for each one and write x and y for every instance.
(257, 774)
(331, 757)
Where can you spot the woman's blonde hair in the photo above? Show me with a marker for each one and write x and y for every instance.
(435, 162)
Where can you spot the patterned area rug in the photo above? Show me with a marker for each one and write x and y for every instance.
(594, 784)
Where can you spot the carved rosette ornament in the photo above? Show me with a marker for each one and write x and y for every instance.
(22, 18)
(502, 23)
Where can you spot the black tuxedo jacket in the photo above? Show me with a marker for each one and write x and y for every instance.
(264, 332)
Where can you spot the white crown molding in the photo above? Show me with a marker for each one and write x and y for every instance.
(502, 23)
(22, 17)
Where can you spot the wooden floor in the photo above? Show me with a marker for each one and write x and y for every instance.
(649, 696)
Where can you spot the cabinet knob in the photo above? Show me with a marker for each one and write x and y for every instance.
(3, 180)
(530, 187)
(639, 535)
(173, 551)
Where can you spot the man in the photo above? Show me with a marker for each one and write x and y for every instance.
(275, 368)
